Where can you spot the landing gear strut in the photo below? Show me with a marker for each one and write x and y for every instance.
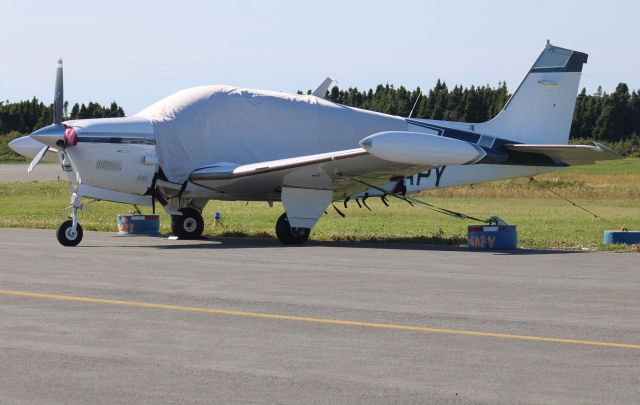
(70, 232)
(288, 235)
(189, 225)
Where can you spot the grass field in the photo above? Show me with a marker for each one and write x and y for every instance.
(611, 190)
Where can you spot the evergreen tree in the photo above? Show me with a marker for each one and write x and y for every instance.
(591, 113)
(634, 112)
(578, 115)
(441, 95)
(473, 106)
(614, 121)
(75, 110)
(83, 112)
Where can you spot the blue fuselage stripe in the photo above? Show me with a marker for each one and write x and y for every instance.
(117, 140)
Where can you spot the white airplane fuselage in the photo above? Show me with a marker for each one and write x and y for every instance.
(120, 154)
(232, 143)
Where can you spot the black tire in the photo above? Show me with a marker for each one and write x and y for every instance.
(189, 225)
(66, 237)
(288, 235)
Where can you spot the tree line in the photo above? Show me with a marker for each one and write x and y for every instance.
(24, 117)
(473, 104)
(600, 116)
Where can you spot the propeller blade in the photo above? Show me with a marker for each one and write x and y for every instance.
(37, 158)
(58, 96)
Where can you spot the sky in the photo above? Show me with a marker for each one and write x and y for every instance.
(137, 52)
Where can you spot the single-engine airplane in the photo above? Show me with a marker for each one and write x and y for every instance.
(232, 143)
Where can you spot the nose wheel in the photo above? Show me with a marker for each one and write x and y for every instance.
(68, 235)
(289, 235)
(189, 225)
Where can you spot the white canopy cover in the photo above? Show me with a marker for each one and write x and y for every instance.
(209, 125)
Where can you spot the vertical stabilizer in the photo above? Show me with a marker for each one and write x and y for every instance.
(321, 90)
(541, 109)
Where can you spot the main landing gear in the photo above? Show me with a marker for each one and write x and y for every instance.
(70, 232)
(288, 235)
(189, 225)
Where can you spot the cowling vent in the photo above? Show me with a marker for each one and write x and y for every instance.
(110, 165)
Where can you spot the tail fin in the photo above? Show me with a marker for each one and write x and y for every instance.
(541, 109)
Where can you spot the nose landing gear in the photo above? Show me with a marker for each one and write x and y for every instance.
(67, 235)
(70, 232)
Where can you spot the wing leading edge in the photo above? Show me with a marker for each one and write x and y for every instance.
(225, 171)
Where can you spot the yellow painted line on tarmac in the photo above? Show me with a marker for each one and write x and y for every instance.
(261, 315)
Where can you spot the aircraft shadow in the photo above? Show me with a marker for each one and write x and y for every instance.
(218, 243)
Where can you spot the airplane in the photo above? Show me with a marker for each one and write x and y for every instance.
(231, 143)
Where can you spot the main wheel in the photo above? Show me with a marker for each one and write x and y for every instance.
(189, 225)
(67, 236)
(288, 235)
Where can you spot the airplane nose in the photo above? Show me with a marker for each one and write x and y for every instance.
(50, 135)
(25, 146)
(29, 147)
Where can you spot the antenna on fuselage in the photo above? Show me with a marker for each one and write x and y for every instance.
(415, 103)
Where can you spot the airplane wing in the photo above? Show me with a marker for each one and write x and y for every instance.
(326, 171)
(382, 157)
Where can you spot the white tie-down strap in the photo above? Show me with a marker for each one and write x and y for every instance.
(304, 206)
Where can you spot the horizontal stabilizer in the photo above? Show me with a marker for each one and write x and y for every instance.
(569, 155)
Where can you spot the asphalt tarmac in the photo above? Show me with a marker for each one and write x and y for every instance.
(17, 172)
(149, 320)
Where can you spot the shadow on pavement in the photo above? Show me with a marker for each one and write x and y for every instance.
(397, 244)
